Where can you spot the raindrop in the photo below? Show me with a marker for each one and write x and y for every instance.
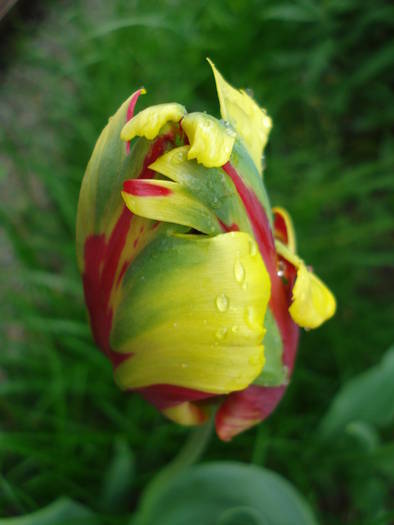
(239, 271)
(222, 302)
(281, 269)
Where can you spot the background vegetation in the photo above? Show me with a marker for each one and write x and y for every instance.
(322, 69)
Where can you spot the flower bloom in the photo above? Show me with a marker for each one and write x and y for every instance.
(192, 282)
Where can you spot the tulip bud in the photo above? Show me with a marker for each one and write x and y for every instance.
(192, 282)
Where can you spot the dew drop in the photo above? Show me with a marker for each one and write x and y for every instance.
(222, 302)
(239, 271)
(281, 269)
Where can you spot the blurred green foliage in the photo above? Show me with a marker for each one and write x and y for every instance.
(323, 70)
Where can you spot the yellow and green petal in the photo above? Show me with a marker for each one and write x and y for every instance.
(312, 302)
(211, 143)
(249, 120)
(192, 314)
(168, 201)
(148, 122)
(210, 186)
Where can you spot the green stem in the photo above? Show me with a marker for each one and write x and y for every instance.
(189, 454)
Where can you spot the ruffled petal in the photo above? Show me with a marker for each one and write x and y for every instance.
(249, 120)
(168, 201)
(312, 302)
(211, 143)
(148, 122)
(192, 314)
(209, 185)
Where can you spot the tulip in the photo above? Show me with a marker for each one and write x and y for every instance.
(192, 282)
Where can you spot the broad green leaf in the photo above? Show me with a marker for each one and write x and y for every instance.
(367, 397)
(226, 493)
(62, 512)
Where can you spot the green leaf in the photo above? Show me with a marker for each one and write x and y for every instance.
(62, 512)
(226, 493)
(368, 398)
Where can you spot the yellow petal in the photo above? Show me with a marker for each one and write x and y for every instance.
(312, 302)
(249, 120)
(211, 143)
(148, 122)
(284, 229)
(192, 314)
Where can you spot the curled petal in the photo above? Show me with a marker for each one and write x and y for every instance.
(312, 302)
(249, 120)
(284, 229)
(211, 143)
(192, 314)
(148, 122)
(168, 201)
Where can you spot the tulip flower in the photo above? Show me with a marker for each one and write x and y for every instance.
(192, 282)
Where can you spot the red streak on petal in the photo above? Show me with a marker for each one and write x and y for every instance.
(142, 188)
(101, 263)
(241, 410)
(122, 272)
(279, 301)
(232, 228)
(130, 111)
(280, 228)
(166, 396)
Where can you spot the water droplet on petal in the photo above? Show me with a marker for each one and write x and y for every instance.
(222, 302)
(239, 271)
(281, 269)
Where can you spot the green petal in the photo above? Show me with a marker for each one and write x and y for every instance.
(168, 201)
(211, 186)
(274, 372)
(192, 313)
